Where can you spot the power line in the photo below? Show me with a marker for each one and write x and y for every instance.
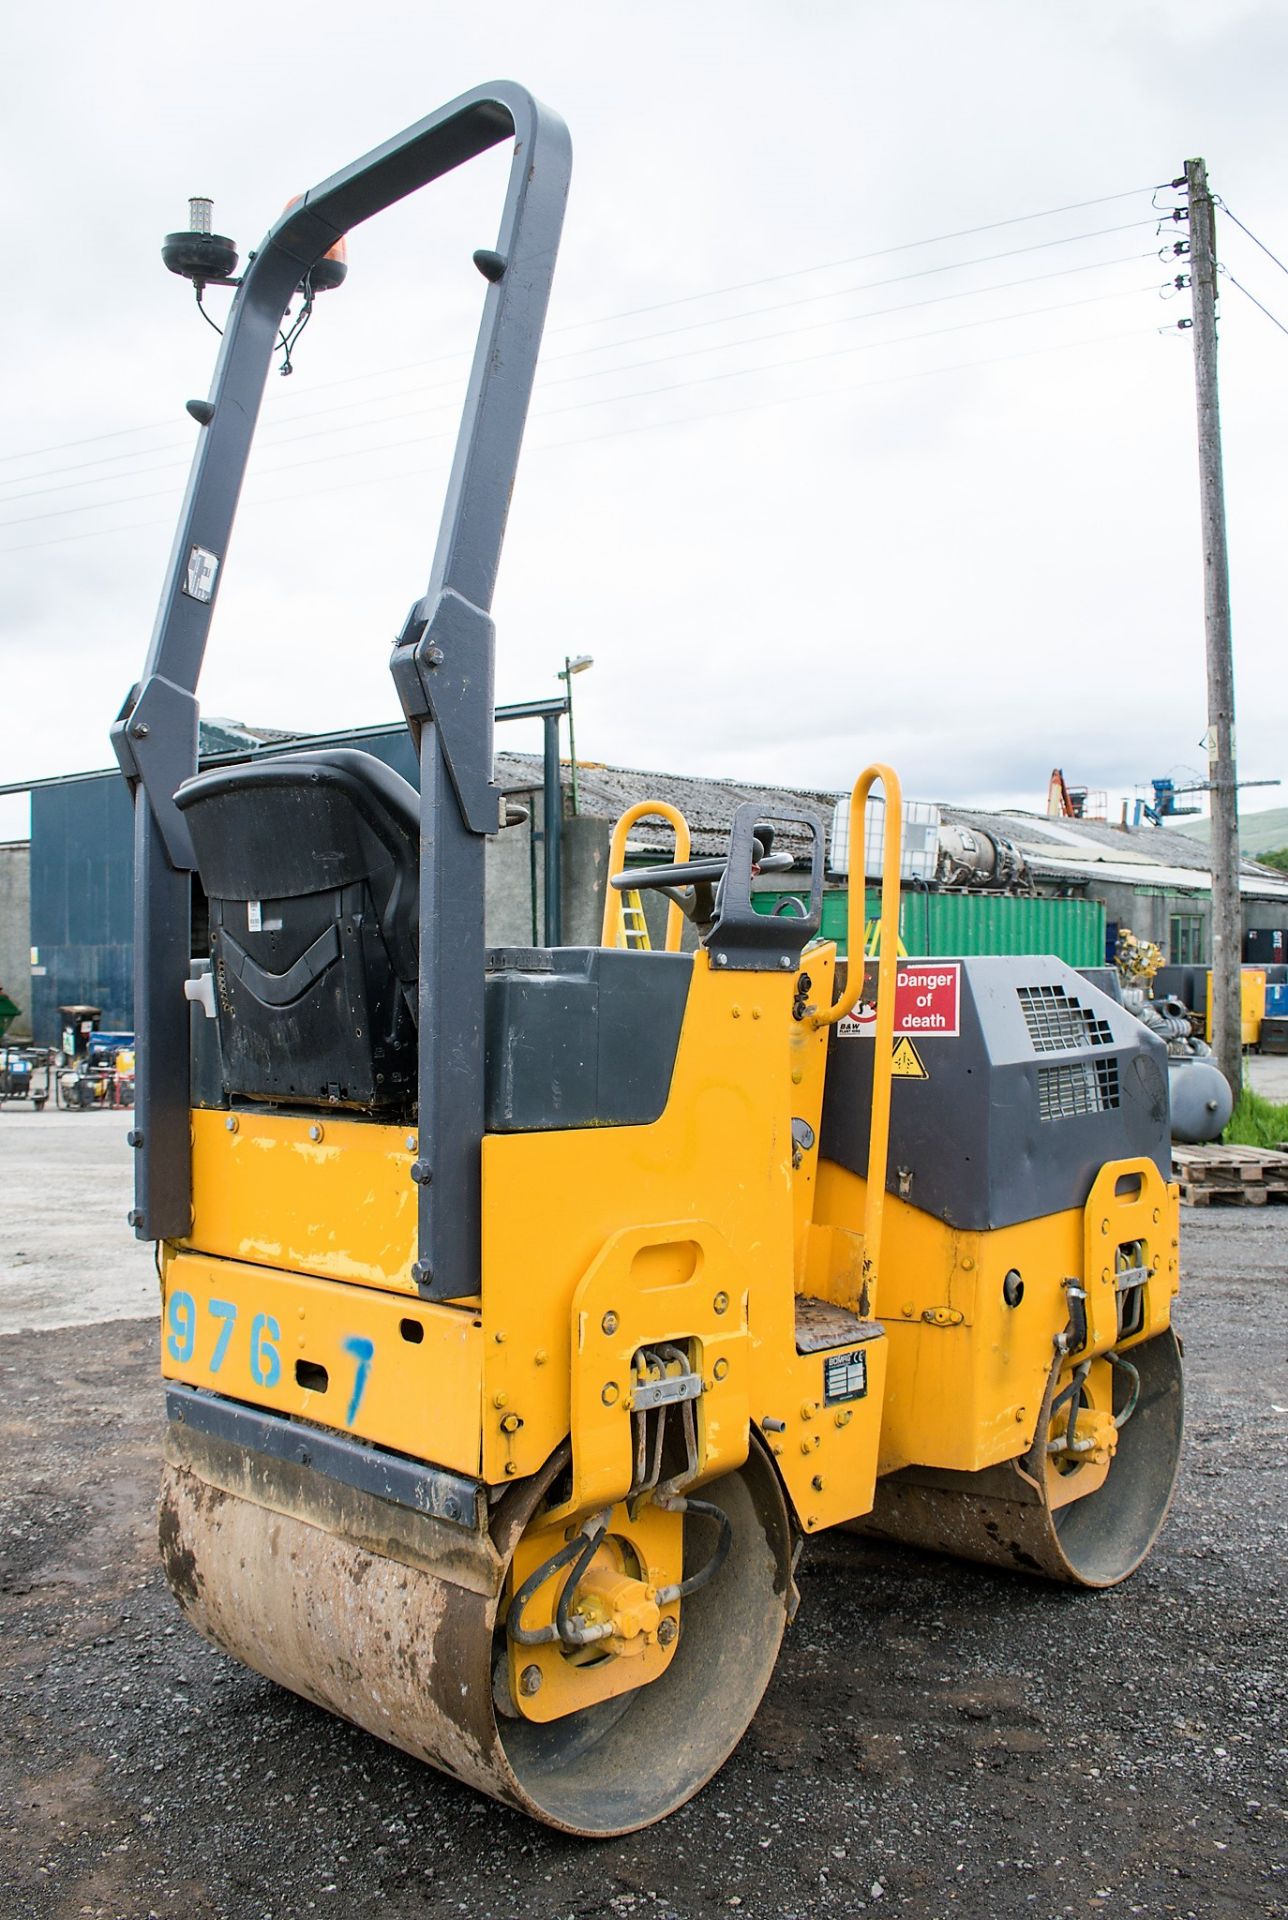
(1256, 303)
(629, 313)
(867, 286)
(609, 346)
(613, 433)
(856, 259)
(727, 413)
(92, 439)
(590, 374)
(831, 353)
(734, 373)
(862, 386)
(1256, 243)
(842, 320)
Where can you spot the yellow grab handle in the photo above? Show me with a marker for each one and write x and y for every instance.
(887, 977)
(613, 932)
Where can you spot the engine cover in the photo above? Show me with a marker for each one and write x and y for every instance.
(1047, 1079)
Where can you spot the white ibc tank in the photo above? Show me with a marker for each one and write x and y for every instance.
(920, 838)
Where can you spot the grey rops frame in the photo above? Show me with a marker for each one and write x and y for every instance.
(442, 664)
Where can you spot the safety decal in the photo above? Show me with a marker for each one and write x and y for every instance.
(845, 1376)
(927, 1001)
(907, 1062)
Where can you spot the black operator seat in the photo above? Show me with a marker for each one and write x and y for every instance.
(310, 862)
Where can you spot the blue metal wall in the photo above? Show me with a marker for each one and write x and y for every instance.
(82, 890)
(82, 902)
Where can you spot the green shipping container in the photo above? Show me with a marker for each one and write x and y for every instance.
(950, 925)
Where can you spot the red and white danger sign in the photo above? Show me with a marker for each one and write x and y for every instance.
(927, 1002)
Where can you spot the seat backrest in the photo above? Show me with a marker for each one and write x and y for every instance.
(310, 863)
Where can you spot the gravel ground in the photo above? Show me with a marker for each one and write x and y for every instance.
(938, 1740)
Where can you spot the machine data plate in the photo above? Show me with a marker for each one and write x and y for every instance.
(845, 1376)
(199, 582)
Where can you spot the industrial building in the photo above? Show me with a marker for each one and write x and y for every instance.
(1031, 885)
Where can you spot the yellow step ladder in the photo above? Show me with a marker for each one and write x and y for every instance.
(634, 924)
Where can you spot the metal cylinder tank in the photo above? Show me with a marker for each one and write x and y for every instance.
(1201, 1100)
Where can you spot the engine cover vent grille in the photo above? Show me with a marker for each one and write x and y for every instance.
(1057, 1022)
(1078, 1086)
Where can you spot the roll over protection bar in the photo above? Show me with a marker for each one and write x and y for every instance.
(442, 662)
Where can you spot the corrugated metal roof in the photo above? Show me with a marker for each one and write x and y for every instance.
(1152, 846)
(218, 735)
(708, 805)
(1071, 852)
(1095, 850)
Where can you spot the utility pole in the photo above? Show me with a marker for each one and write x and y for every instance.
(1227, 913)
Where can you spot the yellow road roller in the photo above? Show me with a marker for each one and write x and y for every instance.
(523, 1310)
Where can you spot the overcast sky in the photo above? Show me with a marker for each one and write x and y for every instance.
(856, 435)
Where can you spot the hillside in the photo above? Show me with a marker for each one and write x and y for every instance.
(1258, 832)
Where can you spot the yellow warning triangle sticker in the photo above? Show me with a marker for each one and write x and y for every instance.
(907, 1062)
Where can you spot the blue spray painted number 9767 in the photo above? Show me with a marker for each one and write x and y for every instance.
(265, 1353)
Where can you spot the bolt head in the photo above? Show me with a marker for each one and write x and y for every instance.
(611, 1393)
(410, 1143)
(230, 1124)
(610, 1322)
(667, 1628)
(315, 1133)
(721, 1302)
(817, 1483)
(722, 959)
(784, 959)
(530, 1681)
(720, 1369)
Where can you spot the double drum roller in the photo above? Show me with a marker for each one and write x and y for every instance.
(524, 1308)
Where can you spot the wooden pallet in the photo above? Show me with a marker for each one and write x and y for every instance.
(1231, 1176)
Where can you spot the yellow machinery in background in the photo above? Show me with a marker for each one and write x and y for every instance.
(525, 1309)
(1252, 1004)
